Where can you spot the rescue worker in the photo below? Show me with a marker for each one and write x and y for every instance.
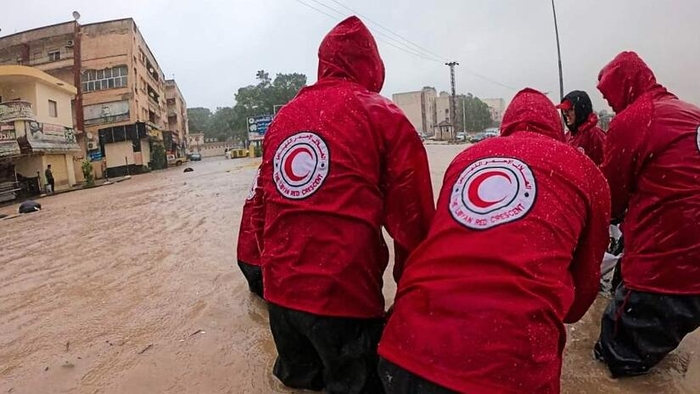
(512, 254)
(582, 122)
(652, 163)
(339, 162)
(247, 247)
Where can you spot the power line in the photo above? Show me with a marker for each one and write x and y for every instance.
(379, 25)
(314, 8)
(405, 48)
(422, 53)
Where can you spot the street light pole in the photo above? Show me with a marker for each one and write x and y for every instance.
(561, 74)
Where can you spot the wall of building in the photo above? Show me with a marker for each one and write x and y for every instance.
(28, 166)
(60, 170)
(411, 105)
(145, 152)
(23, 91)
(106, 46)
(63, 99)
(117, 152)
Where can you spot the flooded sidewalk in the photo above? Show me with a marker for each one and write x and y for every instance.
(134, 288)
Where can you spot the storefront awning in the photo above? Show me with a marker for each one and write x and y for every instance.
(48, 138)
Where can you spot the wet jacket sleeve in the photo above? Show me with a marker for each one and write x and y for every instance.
(409, 206)
(623, 158)
(585, 267)
(258, 208)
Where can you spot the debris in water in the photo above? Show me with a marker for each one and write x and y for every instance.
(68, 346)
(29, 207)
(188, 169)
(200, 331)
(46, 369)
(146, 348)
(68, 365)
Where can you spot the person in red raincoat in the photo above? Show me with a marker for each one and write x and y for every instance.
(652, 163)
(339, 162)
(247, 247)
(582, 122)
(512, 254)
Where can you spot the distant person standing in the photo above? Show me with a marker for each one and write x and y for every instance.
(652, 163)
(582, 122)
(49, 179)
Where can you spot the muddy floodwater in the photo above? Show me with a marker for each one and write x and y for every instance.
(133, 288)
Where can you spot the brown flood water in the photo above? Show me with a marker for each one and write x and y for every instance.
(133, 288)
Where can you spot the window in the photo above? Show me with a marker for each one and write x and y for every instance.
(54, 56)
(109, 78)
(53, 109)
(37, 55)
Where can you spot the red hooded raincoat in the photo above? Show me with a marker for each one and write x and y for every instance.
(513, 252)
(340, 162)
(652, 163)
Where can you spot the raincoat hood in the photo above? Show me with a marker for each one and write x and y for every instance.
(624, 79)
(583, 107)
(532, 111)
(350, 52)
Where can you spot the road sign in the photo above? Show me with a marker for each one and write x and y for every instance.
(259, 124)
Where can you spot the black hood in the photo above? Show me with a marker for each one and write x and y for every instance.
(582, 107)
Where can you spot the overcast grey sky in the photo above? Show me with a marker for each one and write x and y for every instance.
(213, 47)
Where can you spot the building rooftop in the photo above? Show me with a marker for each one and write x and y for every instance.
(24, 73)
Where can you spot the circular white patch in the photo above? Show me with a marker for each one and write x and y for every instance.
(251, 193)
(302, 163)
(580, 149)
(698, 138)
(493, 191)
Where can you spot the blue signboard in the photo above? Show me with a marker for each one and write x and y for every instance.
(95, 155)
(259, 124)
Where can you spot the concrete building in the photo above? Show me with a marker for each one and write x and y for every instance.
(497, 107)
(36, 130)
(419, 107)
(178, 127)
(195, 142)
(120, 109)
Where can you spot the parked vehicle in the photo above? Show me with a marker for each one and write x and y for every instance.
(196, 156)
(236, 153)
(175, 161)
(482, 136)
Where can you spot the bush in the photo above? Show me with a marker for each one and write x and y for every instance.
(87, 174)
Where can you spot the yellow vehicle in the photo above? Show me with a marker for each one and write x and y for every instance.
(236, 153)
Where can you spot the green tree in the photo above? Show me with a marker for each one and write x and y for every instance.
(478, 114)
(227, 123)
(199, 119)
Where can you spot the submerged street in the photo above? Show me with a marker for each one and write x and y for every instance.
(134, 288)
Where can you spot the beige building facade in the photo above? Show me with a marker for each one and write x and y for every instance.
(36, 130)
(497, 107)
(419, 107)
(178, 124)
(121, 98)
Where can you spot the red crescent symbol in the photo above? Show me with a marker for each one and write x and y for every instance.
(473, 191)
(288, 170)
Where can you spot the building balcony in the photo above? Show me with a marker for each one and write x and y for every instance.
(16, 110)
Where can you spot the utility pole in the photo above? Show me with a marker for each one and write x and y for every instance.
(453, 113)
(561, 74)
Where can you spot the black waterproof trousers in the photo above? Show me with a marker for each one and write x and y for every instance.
(639, 329)
(397, 380)
(253, 274)
(337, 355)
